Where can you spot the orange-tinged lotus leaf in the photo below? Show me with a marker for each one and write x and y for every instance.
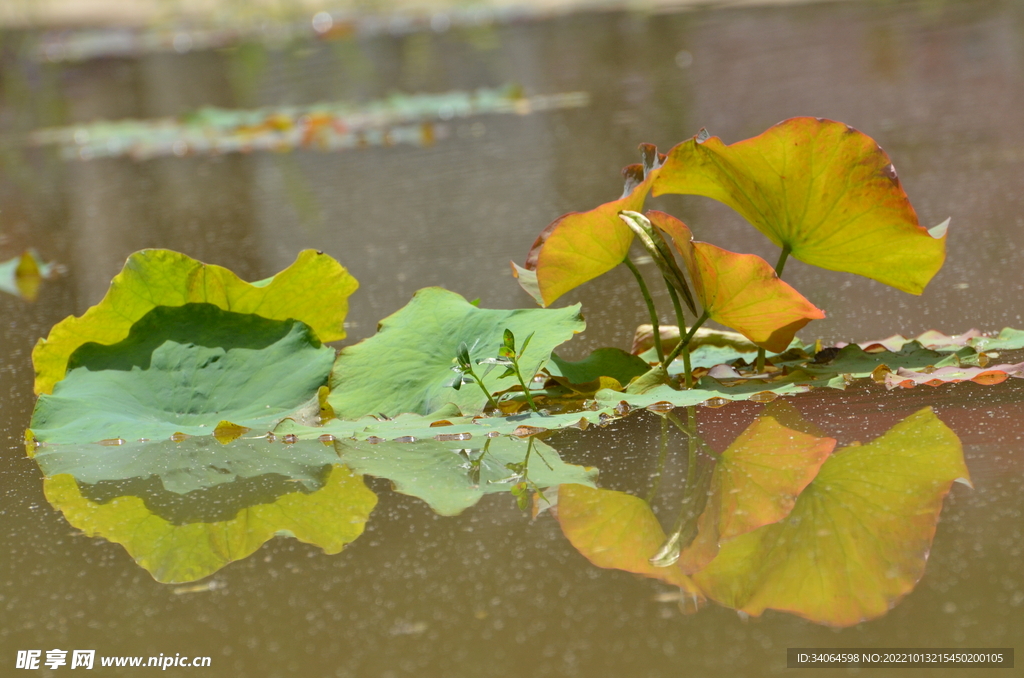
(859, 536)
(757, 481)
(615, 530)
(581, 246)
(821, 188)
(740, 291)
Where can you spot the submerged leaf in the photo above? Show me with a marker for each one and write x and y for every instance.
(314, 290)
(858, 538)
(819, 188)
(406, 366)
(740, 291)
(185, 370)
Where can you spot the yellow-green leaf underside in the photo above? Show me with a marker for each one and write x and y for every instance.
(740, 291)
(821, 188)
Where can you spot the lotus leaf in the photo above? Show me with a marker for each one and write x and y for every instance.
(858, 537)
(604, 362)
(407, 365)
(314, 290)
(740, 291)
(819, 189)
(581, 246)
(185, 370)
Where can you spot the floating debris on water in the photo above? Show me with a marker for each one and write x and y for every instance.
(416, 119)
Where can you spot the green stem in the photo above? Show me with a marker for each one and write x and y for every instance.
(650, 307)
(681, 323)
(685, 341)
(779, 266)
(526, 391)
(480, 383)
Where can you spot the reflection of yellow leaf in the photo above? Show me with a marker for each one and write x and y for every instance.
(859, 536)
(757, 481)
(330, 518)
(615, 530)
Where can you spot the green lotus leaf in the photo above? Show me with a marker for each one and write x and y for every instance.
(858, 537)
(740, 291)
(174, 551)
(453, 476)
(821, 189)
(185, 370)
(615, 530)
(604, 362)
(1008, 339)
(581, 246)
(407, 365)
(314, 290)
(757, 480)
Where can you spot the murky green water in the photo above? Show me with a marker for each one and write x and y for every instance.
(491, 591)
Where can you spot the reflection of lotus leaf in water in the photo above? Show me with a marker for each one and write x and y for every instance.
(859, 536)
(184, 369)
(175, 544)
(452, 476)
(189, 465)
(853, 543)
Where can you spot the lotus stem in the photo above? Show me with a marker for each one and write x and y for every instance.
(779, 266)
(526, 391)
(685, 341)
(681, 322)
(650, 307)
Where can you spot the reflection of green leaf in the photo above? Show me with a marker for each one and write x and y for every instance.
(329, 518)
(452, 476)
(615, 530)
(313, 290)
(820, 188)
(184, 369)
(757, 480)
(189, 465)
(859, 535)
(407, 365)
